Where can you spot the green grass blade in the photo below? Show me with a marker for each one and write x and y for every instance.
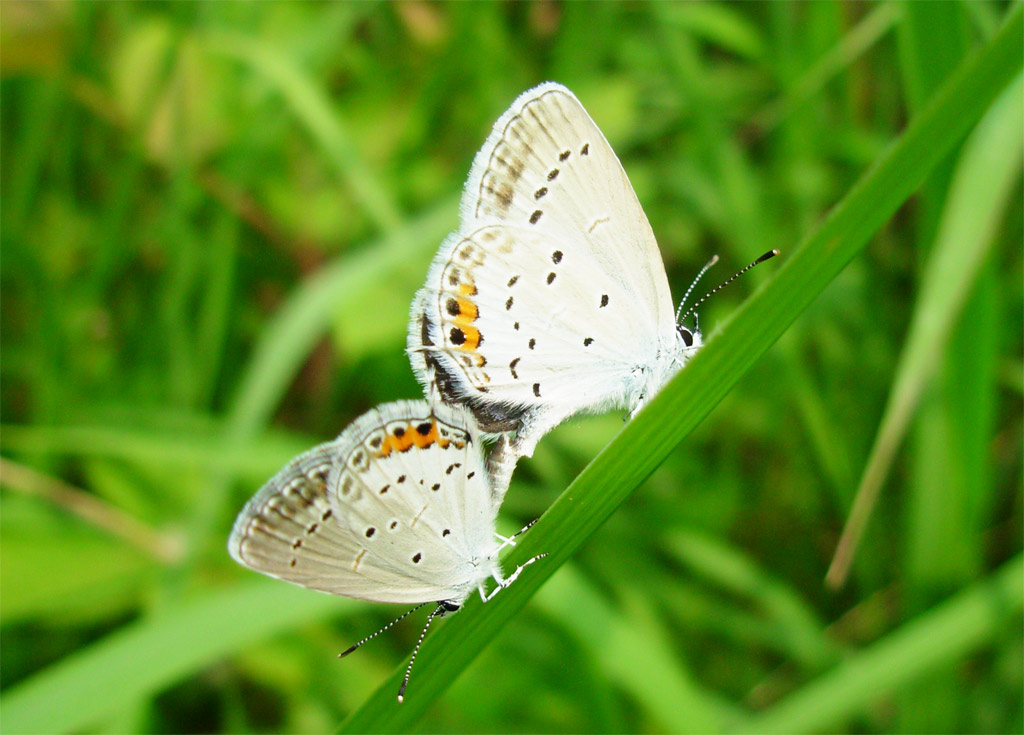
(941, 636)
(145, 657)
(644, 443)
(986, 176)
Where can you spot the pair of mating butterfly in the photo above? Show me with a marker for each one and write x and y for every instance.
(550, 300)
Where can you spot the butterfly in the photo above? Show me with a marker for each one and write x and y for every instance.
(551, 299)
(397, 509)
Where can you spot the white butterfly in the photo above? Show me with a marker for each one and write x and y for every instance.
(551, 299)
(398, 508)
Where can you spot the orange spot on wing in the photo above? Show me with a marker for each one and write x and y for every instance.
(410, 438)
(472, 338)
(425, 440)
(467, 312)
(397, 443)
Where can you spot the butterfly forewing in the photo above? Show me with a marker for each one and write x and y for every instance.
(377, 514)
(546, 166)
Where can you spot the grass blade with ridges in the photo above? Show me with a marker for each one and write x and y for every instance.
(643, 444)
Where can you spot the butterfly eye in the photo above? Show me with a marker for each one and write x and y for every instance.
(686, 334)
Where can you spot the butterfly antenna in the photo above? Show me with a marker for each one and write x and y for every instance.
(400, 618)
(767, 256)
(714, 259)
(438, 612)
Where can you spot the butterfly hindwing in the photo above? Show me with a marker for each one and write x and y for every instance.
(397, 509)
(530, 321)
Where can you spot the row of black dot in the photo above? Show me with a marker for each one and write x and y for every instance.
(371, 530)
(552, 175)
(435, 487)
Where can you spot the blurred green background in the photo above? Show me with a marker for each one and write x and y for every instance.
(214, 217)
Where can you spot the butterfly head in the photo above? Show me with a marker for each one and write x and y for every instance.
(689, 337)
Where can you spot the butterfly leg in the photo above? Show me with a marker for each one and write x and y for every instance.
(503, 583)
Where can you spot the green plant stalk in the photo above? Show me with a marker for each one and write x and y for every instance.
(645, 442)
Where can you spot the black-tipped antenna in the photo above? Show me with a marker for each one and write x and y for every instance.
(400, 618)
(682, 303)
(767, 256)
(438, 612)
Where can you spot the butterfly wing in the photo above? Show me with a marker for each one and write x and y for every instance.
(520, 319)
(397, 509)
(546, 166)
(553, 296)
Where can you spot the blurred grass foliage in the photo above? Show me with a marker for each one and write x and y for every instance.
(214, 217)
